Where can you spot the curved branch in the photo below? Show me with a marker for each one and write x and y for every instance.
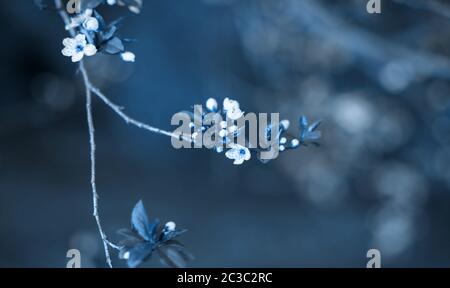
(127, 118)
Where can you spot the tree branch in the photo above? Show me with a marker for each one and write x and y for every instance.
(95, 196)
(127, 118)
(90, 88)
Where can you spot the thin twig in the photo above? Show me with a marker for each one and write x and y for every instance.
(66, 19)
(93, 162)
(114, 246)
(127, 118)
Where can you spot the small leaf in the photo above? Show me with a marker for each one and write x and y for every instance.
(137, 254)
(131, 237)
(139, 221)
(172, 234)
(100, 19)
(174, 256)
(303, 123)
(314, 126)
(107, 34)
(114, 46)
(313, 135)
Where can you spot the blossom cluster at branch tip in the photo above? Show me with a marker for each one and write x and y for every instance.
(97, 33)
(232, 109)
(229, 135)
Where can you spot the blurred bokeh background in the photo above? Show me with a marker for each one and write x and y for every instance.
(380, 179)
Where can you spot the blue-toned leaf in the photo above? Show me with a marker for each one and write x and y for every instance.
(303, 123)
(137, 253)
(108, 33)
(114, 46)
(139, 221)
(314, 126)
(131, 237)
(174, 256)
(166, 236)
(313, 135)
(100, 19)
(117, 22)
(153, 230)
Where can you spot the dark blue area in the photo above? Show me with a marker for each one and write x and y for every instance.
(379, 179)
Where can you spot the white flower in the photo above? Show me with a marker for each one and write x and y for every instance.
(284, 124)
(231, 107)
(223, 133)
(235, 114)
(126, 255)
(295, 143)
(77, 47)
(86, 20)
(128, 56)
(91, 24)
(211, 104)
(238, 153)
(230, 104)
(232, 129)
(170, 226)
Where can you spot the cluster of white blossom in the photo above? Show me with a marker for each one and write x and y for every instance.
(91, 34)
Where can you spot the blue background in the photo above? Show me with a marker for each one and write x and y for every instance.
(379, 180)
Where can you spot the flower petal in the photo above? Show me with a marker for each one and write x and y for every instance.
(248, 155)
(91, 24)
(69, 42)
(128, 56)
(68, 51)
(141, 224)
(229, 105)
(88, 12)
(90, 50)
(232, 154)
(77, 56)
(80, 39)
(234, 114)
